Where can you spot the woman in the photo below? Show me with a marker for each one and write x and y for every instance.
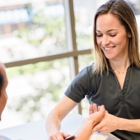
(113, 79)
(3, 85)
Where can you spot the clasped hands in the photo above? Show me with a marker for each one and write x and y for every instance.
(99, 120)
(108, 123)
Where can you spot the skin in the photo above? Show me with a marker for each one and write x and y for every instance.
(113, 39)
(56, 116)
(107, 119)
(3, 97)
(89, 123)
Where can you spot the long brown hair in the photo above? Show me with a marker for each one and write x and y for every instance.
(125, 15)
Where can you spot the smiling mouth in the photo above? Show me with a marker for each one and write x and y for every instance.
(108, 48)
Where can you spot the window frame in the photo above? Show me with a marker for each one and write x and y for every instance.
(72, 53)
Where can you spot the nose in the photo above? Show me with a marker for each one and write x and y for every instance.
(105, 40)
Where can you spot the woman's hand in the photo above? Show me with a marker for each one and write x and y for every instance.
(98, 114)
(88, 124)
(108, 124)
(94, 118)
(93, 108)
(59, 136)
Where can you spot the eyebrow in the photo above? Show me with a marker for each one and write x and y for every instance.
(108, 30)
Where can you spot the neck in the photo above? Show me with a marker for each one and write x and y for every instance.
(120, 65)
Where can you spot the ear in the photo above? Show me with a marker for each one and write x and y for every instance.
(129, 35)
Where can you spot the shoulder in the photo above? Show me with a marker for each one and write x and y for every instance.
(86, 72)
(88, 69)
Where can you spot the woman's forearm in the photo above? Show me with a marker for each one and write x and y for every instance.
(52, 124)
(129, 125)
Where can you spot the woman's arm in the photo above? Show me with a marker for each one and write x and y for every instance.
(111, 123)
(55, 117)
(129, 125)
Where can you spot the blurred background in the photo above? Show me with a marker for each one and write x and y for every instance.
(44, 44)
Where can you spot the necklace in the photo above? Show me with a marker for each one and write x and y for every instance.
(119, 72)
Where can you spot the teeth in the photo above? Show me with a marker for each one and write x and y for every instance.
(107, 48)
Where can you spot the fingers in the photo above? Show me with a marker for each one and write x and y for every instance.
(102, 130)
(98, 127)
(53, 137)
(59, 136)
(56, 138)
(66, 135)
(95, 108)
(90, 110)
(101, 108)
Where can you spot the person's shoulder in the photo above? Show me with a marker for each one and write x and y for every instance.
(87, 72)
(89, 67)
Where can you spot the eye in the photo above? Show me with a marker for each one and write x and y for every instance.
(99, 35)
(112, 35)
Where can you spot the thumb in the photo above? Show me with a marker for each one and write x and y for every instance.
(95, 129)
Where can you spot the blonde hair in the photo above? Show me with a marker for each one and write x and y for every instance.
(125, 15)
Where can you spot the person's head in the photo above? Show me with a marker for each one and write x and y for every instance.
(115, 27)
(3, 85)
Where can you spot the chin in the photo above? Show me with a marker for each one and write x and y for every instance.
(109, 57)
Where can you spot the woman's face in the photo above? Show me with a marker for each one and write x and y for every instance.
(111, 37)
(3, 97)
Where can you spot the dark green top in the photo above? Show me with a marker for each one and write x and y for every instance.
(105, 90)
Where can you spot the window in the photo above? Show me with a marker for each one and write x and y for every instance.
(33, 27)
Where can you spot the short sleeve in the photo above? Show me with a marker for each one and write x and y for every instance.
(79, 86)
